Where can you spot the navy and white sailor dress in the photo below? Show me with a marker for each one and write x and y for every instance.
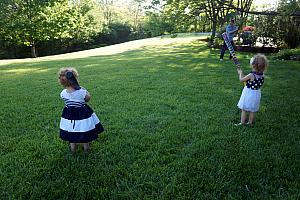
(79, 123)
(251, 95)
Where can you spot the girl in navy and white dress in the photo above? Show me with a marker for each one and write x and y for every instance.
(79, 123)
(250, 99)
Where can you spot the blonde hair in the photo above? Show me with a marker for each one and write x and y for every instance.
(259, 62)
(62, 75)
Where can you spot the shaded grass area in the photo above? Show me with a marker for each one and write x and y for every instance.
(168, 113)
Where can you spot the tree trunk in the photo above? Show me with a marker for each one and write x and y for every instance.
(33, 50)
(203, 28)
(213, 31)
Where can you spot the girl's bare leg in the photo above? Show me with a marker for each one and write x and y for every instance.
(251, 118)
(86, 147)
(73, 147)
(243, 116)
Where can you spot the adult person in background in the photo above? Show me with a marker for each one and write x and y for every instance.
(230, 30)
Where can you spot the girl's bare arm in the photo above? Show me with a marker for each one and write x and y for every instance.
(87, 96)
(244, 78)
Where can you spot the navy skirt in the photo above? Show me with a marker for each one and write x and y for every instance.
(79, 124)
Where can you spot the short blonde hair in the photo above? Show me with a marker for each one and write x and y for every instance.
(62, 75)
(259, 62)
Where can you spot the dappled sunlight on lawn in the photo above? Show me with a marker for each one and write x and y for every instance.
(91, 65)
(23, 71)
(108, 50)
(214, 65)
(153, 70)
(230, 91)
(197, 68)
(173, 65)
(263, 109)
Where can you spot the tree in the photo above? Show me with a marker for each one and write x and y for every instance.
(8, 15)
(107, 9)
(289, 22)
(280, 26)
(157, 24)
(81, 22)
(27, 22)
(215, 11)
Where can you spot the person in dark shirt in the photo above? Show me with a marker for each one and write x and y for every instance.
(230, 30)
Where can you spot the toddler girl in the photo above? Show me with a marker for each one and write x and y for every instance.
(78, 124)
(251, 95)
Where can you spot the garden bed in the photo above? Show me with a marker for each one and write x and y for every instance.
(246, 48)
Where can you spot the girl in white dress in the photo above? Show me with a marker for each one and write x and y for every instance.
(250, 99)
(79, 123)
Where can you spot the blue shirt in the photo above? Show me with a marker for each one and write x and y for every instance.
(230, 28)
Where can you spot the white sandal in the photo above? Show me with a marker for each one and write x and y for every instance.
(239, 124)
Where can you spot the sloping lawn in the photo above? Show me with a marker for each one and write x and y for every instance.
(168, 110)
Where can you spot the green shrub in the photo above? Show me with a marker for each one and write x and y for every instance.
(218, 42)
(289, 54)
(248, 38)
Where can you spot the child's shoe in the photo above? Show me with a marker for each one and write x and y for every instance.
(250, 124)
(239, 124)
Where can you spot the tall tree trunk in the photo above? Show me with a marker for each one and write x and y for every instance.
(33, 50)
(213, 31)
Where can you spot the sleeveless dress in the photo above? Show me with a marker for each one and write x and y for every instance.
(79, 123)
(251, 95)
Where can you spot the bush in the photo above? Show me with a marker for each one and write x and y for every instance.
(248, 38)
(114, 33)
(138, 34)
(157, 25)
(289, 54)
(218, 42)
(121, 32)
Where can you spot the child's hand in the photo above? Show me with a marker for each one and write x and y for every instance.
(87, 96)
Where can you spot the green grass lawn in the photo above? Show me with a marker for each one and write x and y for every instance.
(168, 110)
